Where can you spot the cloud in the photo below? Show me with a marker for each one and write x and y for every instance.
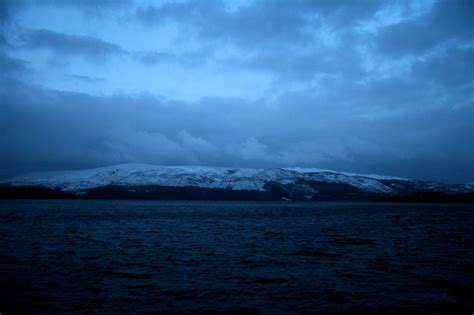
(90, 8)
(450, 68)
(188, 59)
(446, 21)
(330, 84)
(66, 45)
(86, 79)
(49, 129)
(3, 41)
(13, 66)
(303, 66)
(258, 23)
(9, 9)
(297, 40)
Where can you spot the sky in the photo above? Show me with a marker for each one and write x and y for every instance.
(382, 87)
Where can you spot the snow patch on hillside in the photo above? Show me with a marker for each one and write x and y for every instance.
(317, 170)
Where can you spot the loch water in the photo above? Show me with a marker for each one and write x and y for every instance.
(106, 256)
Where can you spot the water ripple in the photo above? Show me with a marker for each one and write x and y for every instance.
(235, 258)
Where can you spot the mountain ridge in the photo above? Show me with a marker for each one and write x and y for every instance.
(209, 182)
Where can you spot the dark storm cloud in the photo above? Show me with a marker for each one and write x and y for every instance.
(39, 132)
(446, 21)
(67, 45)
(103, 130)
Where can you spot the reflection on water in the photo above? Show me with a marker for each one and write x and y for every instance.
(155, 256)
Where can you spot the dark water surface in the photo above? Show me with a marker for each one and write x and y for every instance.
(155, 256)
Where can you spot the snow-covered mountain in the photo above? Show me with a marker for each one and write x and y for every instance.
(291, 183)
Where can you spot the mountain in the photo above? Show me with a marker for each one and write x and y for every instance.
(141, 181)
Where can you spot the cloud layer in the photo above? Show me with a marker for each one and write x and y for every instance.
(364, 86)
